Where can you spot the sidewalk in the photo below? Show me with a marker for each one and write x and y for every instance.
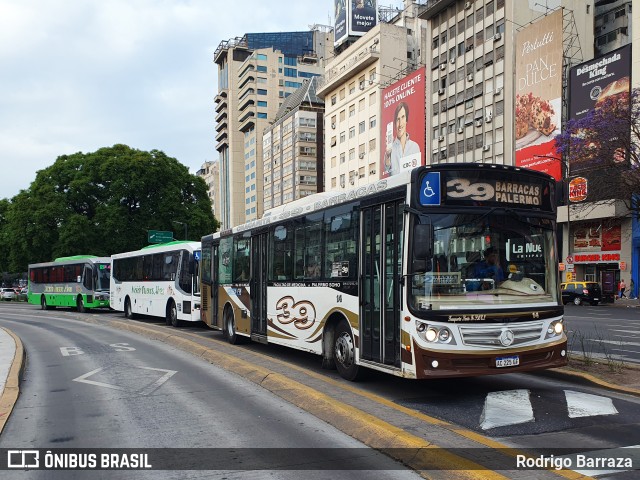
(626, 302)
(11, 362)
(7, 352)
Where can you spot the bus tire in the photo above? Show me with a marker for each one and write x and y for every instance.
(344, 352)
(80, 305)
(172, 314)
(230, 327)
(128, 310)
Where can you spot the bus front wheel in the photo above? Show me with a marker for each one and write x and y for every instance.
(128, 311)
(344, 353)
(80, 305)
(172, 314)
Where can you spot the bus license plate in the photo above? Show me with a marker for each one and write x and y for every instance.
(507, 361)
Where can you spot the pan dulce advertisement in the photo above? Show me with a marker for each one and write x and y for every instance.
(539, 94)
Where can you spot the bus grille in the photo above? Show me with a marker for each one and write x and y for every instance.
(489, 336)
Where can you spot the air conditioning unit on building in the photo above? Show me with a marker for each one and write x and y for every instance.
(372, 172)
(498, 91)
(441, 91)
(361, 155)
(362, 85)
(467, 5)
(488, 118)
(486, 148)
(452, 61)
(470, 77)
(443, 66)
(352, 182)
(497, 37)
(461, 130)
(333, 126)
(478, 123)
(441, 138)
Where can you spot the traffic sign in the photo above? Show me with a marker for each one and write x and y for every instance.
(159, 236)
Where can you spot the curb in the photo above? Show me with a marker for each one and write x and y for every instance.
(12, 386)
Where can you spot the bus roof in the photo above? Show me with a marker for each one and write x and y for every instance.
(72, 260)
(175, 245)
(168, 244)
(74, 257)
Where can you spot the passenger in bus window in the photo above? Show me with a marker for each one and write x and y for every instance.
(313, 269)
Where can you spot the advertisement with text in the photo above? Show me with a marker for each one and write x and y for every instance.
(403, 124)
(539, 94)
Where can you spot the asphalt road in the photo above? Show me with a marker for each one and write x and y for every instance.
(469, 417)
(90, 386)
(605, 332)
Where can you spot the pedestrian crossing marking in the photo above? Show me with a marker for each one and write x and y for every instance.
(506, 408)
(587, 405)
(513, 407)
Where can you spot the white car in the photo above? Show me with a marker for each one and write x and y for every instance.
(8, 294)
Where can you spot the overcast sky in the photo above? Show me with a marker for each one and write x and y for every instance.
(78, 75)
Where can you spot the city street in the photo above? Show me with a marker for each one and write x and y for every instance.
(100, 372)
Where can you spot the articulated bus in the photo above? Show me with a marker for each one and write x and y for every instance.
(442, 271)
(80, 281)
(159, 280)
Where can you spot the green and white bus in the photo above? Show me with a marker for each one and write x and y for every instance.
(80, 281)
(158, 280)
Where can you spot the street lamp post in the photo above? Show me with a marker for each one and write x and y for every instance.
(185, 227)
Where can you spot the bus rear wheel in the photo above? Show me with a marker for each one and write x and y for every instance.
(80, 305)
(344, 353)
(230, 327)
(172, 314)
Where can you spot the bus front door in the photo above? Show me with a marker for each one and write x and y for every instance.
(380, 283)
(258, 288)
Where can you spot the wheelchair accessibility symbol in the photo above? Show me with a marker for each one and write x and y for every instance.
(430, 189)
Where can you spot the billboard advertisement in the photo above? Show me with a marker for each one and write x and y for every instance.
(363, 17)
(340, 27)
(354, 18)
(403, 124)
(592, 85)
(538, 106)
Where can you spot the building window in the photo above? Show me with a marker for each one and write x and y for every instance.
(362, 126)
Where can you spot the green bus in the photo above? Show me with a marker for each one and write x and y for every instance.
(80, 281)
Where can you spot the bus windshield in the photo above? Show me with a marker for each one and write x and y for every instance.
(494, 259)
(103, 277)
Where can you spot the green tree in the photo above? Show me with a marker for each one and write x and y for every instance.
(102, 203)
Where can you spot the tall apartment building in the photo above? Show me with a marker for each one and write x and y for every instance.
(255, 74)
(292, 148)
(210, 173)
(352, 89)
(471, 102)
(612, 27)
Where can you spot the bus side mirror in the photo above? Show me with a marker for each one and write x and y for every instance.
(192, 266)
(422, 241)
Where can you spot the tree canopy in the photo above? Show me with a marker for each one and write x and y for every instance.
(603, 146)
(102, 203)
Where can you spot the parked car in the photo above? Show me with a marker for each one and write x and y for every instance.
(7, 294)
(579, 292)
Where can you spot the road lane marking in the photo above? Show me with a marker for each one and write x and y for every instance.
(587, 405)
(145, 391)
(83, 379)
(509, 407)
(158, 383)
